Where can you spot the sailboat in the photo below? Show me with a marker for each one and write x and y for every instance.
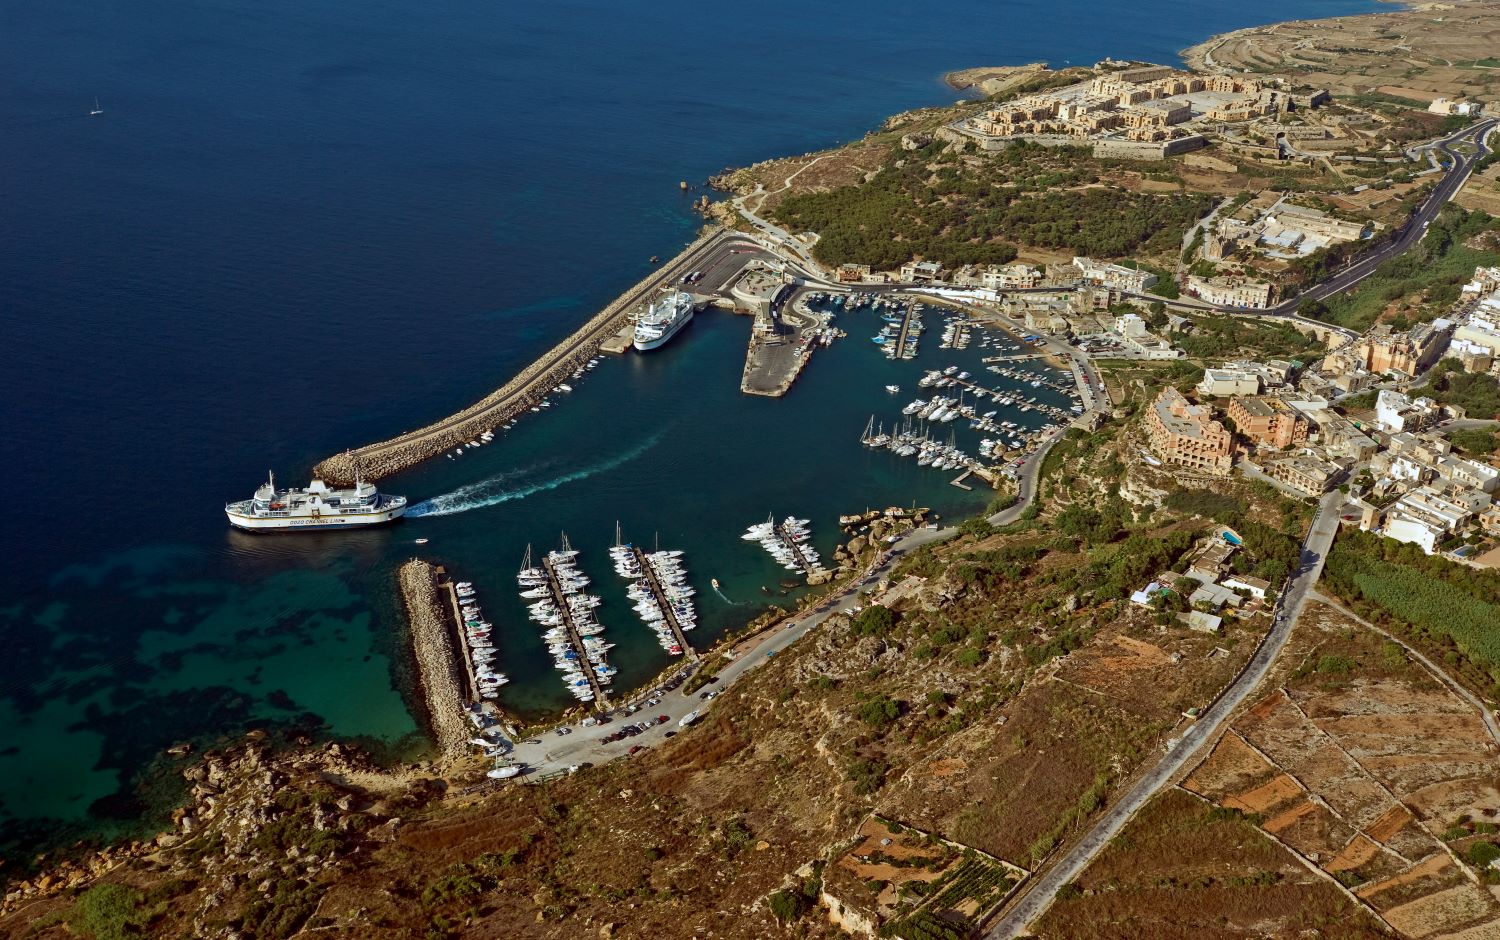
(97, 109)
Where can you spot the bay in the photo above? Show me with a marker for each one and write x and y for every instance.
(301, 226)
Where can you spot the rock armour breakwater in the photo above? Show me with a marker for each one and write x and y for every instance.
(530, 386)
(437, 661)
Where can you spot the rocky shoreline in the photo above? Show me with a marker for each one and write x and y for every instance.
(237, 795)
(438, 674)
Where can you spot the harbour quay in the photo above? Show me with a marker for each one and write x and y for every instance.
(718, 251)
(783, 337)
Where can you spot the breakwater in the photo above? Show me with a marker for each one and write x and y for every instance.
(437, 660)
(515, 397)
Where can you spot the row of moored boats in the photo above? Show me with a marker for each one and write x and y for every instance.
(572, 630)
(789, 542)
(669, 575)
(479, 637)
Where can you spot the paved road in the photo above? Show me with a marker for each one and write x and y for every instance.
(1447, 187)
(1037, 896)
(583, 744)
(1461, 167)
(552, 752)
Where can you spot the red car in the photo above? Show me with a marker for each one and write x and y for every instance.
(662, 719)
(637, 748)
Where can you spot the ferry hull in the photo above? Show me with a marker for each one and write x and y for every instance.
(313, 523)
(648, 345)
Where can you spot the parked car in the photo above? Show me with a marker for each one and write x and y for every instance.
(662, 719)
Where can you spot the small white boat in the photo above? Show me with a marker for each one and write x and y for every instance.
(893, 389)
(504, 773)
(421, 541)
(97, 109)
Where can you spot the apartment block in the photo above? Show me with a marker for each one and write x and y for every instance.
(1186, 435)
(1230, 291)
(1306, 474)
(1269, 422)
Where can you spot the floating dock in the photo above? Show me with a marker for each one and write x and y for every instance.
(575, 640)
(649, 575)
(808, 566)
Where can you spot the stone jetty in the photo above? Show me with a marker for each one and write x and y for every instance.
(437, 661)
(515, 397)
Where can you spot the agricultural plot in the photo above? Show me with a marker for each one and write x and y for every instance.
(915, 885)
(1369, 768)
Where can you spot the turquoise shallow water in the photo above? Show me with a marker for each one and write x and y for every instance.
(302, 226)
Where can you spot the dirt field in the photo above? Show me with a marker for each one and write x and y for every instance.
(1424, 54)
(1186, 869)
(1363, 763)
(1482, 191)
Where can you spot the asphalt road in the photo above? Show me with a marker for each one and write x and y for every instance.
(584, 744)
(1037, 896)
(1460, 168)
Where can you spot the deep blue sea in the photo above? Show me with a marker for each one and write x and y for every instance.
(301, 226)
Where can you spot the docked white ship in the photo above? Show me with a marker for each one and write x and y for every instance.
(319, 506)
(662, 320)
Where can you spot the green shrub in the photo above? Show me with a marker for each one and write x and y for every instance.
(787, 905)
(875, 620)
(867, 775)
(113, 912)
(1481, 854)
(879, 712)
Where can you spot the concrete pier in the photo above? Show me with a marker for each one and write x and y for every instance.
(575, 639)
(808, 568)
(779, 347)
(666, 606)
(906, 319)
(432, 637)
(533, 383)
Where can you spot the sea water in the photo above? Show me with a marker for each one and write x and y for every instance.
(299, 227)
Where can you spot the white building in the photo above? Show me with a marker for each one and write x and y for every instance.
(1425, 517)
(1227, 381)
(1114, 276)
(1394, 412)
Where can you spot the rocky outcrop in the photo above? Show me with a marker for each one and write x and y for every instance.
(250, 812)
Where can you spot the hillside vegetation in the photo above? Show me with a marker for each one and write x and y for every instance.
(938, 204)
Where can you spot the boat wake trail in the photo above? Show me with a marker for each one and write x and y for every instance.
(727, 600)
(501, 489)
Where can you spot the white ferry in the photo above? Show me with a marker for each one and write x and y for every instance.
(317, 507)
(662, 320)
